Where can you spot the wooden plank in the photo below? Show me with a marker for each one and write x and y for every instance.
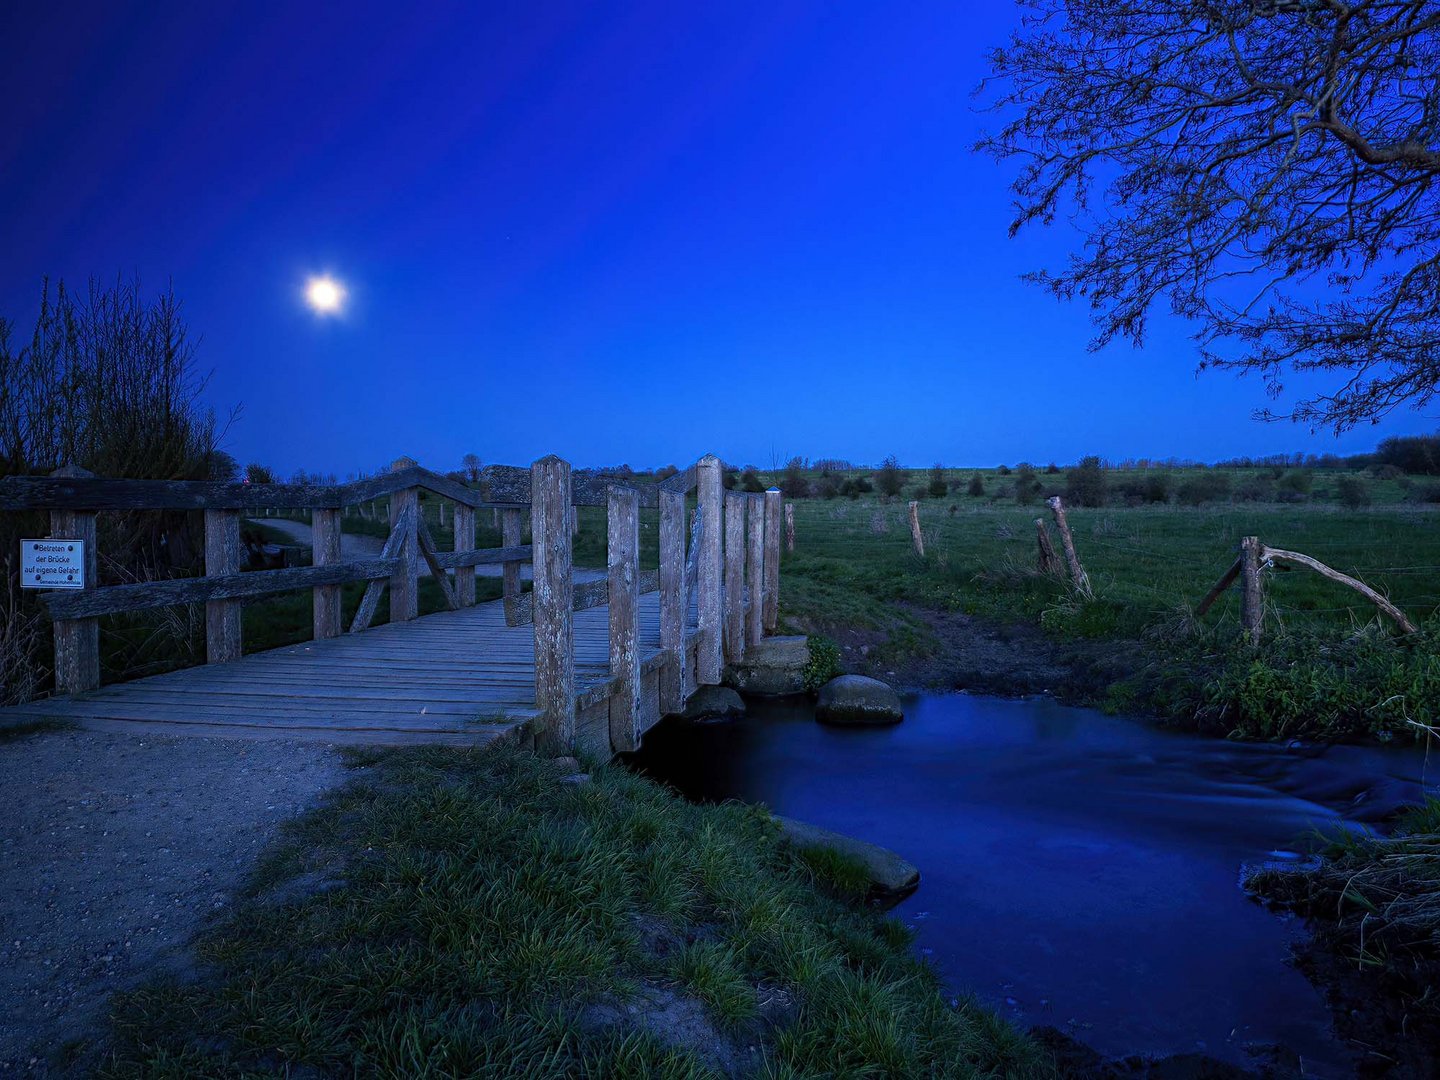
(510, 526)
(553, 596)
(734, 619)
(98, 493)
(464, 530)
(222, 559)
(427, 550)
(405, 582)
(672, 599)
(393, 543)
(622, 522)
(709, 569)
(770, 616)
(754, 568)
(328, 617)
(77, 639)
(1252, 600)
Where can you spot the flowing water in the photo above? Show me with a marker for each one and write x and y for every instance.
(1078, 870)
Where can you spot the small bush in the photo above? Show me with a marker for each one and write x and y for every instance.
(1295, 485)
(938, 488)
(1205, 486)
(1085, 483)
(794, 484)
(891, 478)
(750, 481)
(1352, 492)
(976, 489)
(1027, 484)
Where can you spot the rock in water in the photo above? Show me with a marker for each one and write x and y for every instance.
(773, 667)
(710, 703)
(890, 875)
(856, 700)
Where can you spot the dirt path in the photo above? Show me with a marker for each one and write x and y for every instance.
(115, 850)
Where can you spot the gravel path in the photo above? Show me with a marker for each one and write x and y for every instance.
(114, 851)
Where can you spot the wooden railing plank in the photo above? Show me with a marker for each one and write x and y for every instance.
(709, 570)
(622, 518)
(771, 615)
(427, 550)
(734, 617)
(222, 559)
(511, 524)
(77, 639)
(553, 598)
(327, 615)
(394, 543)
(464, 530)
(754, 568)
(405, 583)
(673, 600)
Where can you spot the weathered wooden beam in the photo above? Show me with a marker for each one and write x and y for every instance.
(1047, 562)
(328, 616)
(429, 553)
(771, 615)
(789, 526)
(77, 640)
(673, 600)
(1217, 590)
(394, 543)
(453, 560)
(916, 537)
(464, 529)
(709, 569)
(198, 590)
(553, 602)
(405, 584)
(55, 492)
(1252, 597)
(1078, 578)
(754, 568)
(1381, 602)
(510, 525)
(622, 562)
(734, 632)
(223, 641)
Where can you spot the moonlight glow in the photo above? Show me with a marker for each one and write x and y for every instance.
(325, 295)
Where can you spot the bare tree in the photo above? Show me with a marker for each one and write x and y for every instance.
(1270, 167)
(471, 462)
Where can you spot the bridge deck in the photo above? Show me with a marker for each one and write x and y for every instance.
(454, 676)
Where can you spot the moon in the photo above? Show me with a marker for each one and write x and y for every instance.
(325, 295)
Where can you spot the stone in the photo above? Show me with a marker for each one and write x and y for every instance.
(855, 700)
(773, 667)
(890, 875)
(710, 703)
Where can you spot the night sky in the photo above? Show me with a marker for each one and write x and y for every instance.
(620, 233)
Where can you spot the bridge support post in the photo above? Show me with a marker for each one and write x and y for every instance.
(673, 601)
(734, 577)
(511, 525)
(754, 568)
(553, 606)
(222, 556)
(622, 515)
(77, 641)
(771, 614)
(463, 523)
(708, 569)
(405, 582)
(324, 550)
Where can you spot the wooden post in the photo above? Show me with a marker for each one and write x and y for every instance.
(1252, 597)
(463, 524)
(1386, 607)
(754, 569)
(441, 508)
(1047, 562)
(734, 577)
(1078, 577)
(708, 569)
(789, 526)
(77, 641)
(553, 606)
(1217, 590)
(673, 600)
(405, 583)
(771, 614)
(511, 525)
(622, 530)
(324, 550)
(915, 537)
(222, 556)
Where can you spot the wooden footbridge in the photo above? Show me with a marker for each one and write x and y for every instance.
(588, 666)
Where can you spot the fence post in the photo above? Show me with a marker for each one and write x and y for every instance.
(553, 606)
(222, 556)
(708, 569)
(789, 526)
(754, 568)
(772, 560)
(463, 523)
(622, 562)
(1078, 576)
(1252, 597)
(511, 526)
(77, 641)
(405, 583)
(734, 577)
(915, 537)
(672, 600)
(324, 550)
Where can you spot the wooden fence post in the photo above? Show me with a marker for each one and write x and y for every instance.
(734, 577)
(511, 526)
(754, 569)
(222, 556)
(324, 550)
(1078, 577)
(463, 524)
(622, 562)
(789, 526)
(1252, 596)
(405, 583)
(77, 641)
(1047, 561)
(553, 603)
(915, 537)
(673, 601)
(771, 615)
(709, 568)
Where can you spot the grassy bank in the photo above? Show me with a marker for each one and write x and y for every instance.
(456, 912)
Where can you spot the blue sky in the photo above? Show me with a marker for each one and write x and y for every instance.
(630, 232)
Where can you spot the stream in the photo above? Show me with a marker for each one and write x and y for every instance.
(1077, 870)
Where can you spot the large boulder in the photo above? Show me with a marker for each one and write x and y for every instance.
(772, 667)
(890, 875)
(855, 700)
(711, 703)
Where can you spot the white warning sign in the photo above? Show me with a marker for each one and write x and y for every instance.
(52, 564)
